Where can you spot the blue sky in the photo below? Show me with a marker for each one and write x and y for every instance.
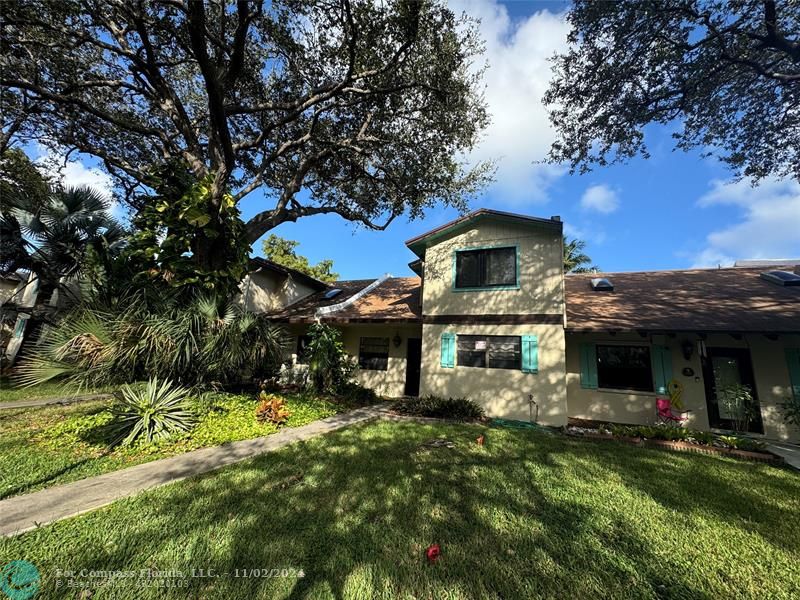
(675, 210)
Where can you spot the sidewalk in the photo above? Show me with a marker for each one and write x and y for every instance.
(23, 513)
(789, 452)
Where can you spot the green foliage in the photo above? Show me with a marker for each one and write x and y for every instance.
(670, 433)
(354, 393)
(281, 251)
(209, 340)
(20, 178)
(152, 413)
(722, 69)
(791, 410)
(58, 444)
(737, 400)
(580, 520)
(364, 109)
(60, 234)
(462, 409)
(575, 259)
(329, 366)
(185, 238)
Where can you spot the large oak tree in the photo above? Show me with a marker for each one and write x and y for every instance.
(727, 70)
(368, 107)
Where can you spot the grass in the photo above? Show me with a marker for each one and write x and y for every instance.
(528, 515)
(10, 393)
(42, 447)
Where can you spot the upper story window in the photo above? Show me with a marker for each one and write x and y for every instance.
(486, 268)
(624, 367)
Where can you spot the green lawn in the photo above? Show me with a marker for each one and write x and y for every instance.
(527, 515)
(42, 447)
(10, 393)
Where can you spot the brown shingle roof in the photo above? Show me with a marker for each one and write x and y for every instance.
(729, 300)
(396, 299)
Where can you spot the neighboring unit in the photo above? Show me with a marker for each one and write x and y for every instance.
(491, 316)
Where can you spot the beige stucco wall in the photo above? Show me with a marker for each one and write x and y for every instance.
(265, 291)
(770, 371)
(502, 392)
(540, 272)
(389, 383)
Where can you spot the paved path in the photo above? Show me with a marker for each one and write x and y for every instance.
(23, 513)
(49, 401)
(789, 452)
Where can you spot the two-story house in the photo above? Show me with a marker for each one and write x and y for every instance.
(492, 317)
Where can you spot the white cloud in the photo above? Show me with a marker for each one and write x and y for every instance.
(770, 224)
(74, 173)
(600, 198)
(517, 53)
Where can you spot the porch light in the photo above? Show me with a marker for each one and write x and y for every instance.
(397, 340)
(688, 348)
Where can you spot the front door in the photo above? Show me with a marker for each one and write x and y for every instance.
(722, 368)
(413, 365)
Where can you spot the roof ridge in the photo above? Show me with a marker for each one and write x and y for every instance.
(690, 270)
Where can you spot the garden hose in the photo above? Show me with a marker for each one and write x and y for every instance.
(675, 391)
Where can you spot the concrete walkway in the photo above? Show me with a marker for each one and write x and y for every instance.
(789, 452)
(23, 513)
(48, 401)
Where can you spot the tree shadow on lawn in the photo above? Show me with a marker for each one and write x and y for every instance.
(356, 513)
(720, 488)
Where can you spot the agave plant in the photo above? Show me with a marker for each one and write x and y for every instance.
(153, 412)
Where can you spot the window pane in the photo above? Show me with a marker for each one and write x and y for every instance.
(501, 266)
(505, 352)
(624, 368)
(471, 350)
(468, 269)
(373, 353)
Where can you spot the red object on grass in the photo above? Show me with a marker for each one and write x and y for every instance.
(481, 439)
(433, 552)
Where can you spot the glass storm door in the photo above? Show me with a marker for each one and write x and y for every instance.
(722, 368)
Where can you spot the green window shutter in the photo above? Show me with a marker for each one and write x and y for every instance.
(662, 368)
(530, 354)
(448, 350)
(589, 366)
(793, 360)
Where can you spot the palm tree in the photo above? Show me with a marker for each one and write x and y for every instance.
(67, 233)
(575, 259)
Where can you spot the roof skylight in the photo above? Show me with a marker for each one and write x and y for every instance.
(332, 293)
(602, 284)
(784, 278)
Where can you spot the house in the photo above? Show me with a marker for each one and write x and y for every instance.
(491, 316)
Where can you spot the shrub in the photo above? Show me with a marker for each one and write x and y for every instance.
(355, 393)
(271, 409)
(437, 406)
(702, 437)
(153, 412)
(737, 399)
(329, 366)
(741, 443)
(791, 410)
(209, 340)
